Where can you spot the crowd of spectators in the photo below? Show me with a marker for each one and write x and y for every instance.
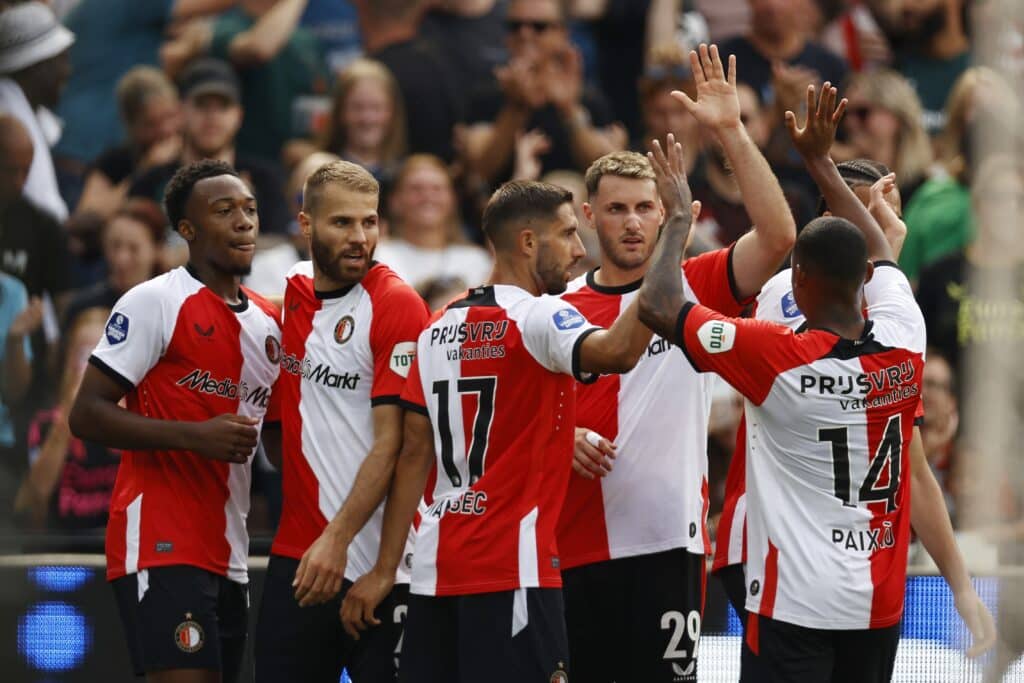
(442, 100)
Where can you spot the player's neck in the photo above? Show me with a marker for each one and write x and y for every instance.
(610, 275)
(845, 320)
(515, 274)
(224, 285)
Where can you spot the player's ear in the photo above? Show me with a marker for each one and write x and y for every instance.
(305, 224)
(869, 272)
(527, 242)
(187, 230)
(588, 212)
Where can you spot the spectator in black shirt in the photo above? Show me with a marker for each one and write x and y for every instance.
(542, 89)
(131, 241)
(777, 38)
(211, 98)
(33, 247)
(433, 98)
(471, 34)
(151, 113)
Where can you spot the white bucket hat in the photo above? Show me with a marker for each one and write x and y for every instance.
(29, 34)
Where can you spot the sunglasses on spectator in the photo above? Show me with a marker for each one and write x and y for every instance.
(538, 26)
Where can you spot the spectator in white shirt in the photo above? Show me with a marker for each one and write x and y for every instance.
(426, 241)
(34, 67)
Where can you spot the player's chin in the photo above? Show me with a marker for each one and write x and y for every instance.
(240, 263)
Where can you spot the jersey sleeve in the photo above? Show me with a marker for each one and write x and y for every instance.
(136, 336)
(393, 333)
(748, 354)
(713, 283)
(891, 305)
(412, 394)
(553, 332)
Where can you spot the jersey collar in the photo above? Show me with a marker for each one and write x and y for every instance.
(243, 298)
(606, 289)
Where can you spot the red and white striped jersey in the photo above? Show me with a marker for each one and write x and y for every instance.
(656, 496)
(183, 354)
(775, 304)
(829, 422)
(342, 352)
(494, 372)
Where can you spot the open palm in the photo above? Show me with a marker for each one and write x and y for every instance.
(717, 105)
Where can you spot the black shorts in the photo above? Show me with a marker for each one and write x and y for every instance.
(507, 637)
(734, 580)
(186, 618)
(309, 644)
(636, 618)
(780, 652)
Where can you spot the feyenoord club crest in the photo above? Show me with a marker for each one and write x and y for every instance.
(344, 329)
(189, 636)
(273, 348)
(559, 676)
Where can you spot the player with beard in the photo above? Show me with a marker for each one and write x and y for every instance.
(349, 335)
(491, 401)
(194, 356)
(632, 535)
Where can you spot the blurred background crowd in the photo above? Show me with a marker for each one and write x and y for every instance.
(442, 100)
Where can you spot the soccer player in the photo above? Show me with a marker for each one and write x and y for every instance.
(829, 419)
(348, 339)
(775, 304)
(632, 535)
(194, 355)
(873, 186)
(492, 394)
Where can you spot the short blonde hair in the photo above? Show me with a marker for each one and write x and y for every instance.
(344, 173)
(621, 164)
(137, 86)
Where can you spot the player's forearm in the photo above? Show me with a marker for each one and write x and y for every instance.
(842, 202)
(105, 422)
(617, 349)
(930, 520)
(400, 510)
(766, 205)
(369, 490)
(662, 295)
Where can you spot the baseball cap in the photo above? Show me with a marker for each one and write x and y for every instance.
(209, 77)
(30, 34)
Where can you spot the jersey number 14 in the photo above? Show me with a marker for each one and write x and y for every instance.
(887, 458)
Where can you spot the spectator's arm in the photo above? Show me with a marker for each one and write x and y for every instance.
(188, 9)
(194, 41)
(490, 146)
(562, 76)
(268, 35)
(661, 22)
(930, 519)
(101, 196)
(33, 496)
(17, 368)
(588, 142)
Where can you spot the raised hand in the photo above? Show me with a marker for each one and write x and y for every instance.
(670, 176)
(717, 105)
(815, 138)
(882, 208)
